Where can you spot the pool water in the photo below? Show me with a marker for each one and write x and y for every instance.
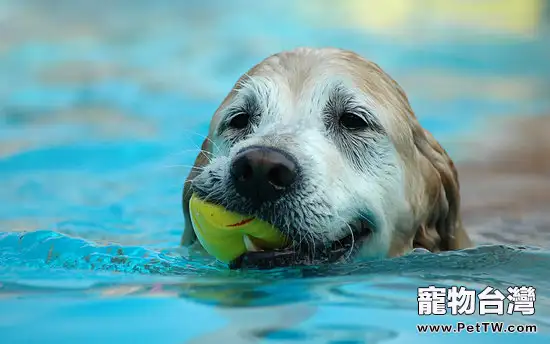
(102, 111)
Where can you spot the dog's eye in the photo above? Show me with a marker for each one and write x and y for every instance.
(352, 121)
(239, 121)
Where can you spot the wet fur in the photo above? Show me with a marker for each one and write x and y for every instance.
(395, 176)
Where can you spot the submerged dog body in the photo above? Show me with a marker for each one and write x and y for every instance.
(325, 146)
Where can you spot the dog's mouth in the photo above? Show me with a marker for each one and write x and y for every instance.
(300, 251)
(306, 253)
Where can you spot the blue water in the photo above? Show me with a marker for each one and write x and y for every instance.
(102, 111)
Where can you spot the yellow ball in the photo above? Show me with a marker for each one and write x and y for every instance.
(222, 233)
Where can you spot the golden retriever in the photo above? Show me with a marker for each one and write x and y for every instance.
(324, 145)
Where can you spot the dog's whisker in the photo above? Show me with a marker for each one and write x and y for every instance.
(313, 248)
(209, 155)
(204, 137)
(192, 167)
(208, 196)
(352, 242)
(196, 150)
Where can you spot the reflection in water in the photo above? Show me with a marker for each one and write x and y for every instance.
(331, 334)
(287, 304)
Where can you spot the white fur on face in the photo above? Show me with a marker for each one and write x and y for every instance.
(291, 107)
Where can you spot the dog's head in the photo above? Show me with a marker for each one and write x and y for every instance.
(325, 146)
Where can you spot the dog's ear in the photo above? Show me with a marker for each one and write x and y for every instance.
(435, 189)
(202, 159)
(440, 227)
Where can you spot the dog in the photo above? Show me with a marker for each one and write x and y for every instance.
(324, 145)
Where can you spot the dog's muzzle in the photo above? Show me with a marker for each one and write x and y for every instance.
(263, 174)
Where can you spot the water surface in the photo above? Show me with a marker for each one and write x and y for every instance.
(102, 111)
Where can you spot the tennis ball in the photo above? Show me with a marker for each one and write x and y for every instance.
(223, 233)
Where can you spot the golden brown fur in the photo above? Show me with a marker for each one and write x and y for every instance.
(431, 183)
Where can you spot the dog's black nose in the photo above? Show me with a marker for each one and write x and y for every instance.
(263, 174)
